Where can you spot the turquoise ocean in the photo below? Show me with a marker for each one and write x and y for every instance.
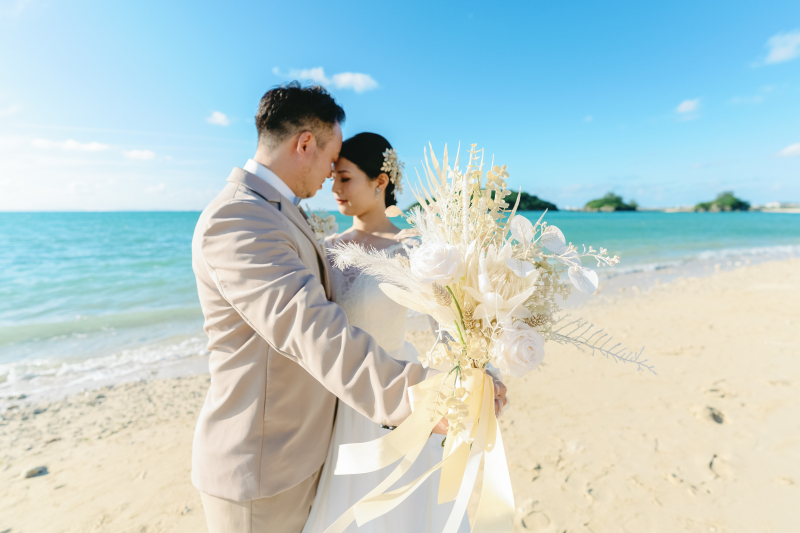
(88, 299)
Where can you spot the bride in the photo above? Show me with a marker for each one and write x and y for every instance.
(365, 183)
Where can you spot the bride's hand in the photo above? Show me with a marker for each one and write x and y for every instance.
(500, 402)
(500, 398)
(441, 427)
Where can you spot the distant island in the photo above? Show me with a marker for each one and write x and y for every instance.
(527, 202)
(725, 201)
(610, 203)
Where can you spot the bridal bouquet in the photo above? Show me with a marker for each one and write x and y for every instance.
(490, 279)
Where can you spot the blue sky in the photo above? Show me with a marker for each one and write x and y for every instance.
(148, 105)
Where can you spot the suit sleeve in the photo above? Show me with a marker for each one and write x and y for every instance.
(253, 258)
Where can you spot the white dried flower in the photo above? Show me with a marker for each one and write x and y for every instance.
(437, 357)
(323, 225)
(457, 411)
(437, 262)
(518, 350)
(394, 168)
(522, 230)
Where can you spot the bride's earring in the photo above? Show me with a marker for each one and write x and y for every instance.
(378, 192)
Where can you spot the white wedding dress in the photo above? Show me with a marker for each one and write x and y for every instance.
(369, 309)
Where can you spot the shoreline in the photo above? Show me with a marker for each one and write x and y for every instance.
(185, 355)
(703, 445)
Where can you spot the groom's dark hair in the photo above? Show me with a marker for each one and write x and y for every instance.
(291, 108)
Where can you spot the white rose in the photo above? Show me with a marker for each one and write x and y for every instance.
(518, 350)
(437, 262)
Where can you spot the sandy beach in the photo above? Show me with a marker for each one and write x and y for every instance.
(710, 444)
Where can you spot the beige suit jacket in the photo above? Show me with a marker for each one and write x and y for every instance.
(280, 350)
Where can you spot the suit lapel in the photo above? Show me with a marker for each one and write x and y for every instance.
(298, 217)
(270, 194)
(293, 214)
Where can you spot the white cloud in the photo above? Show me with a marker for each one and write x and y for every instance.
(755, 99)
(33, 179)
(357, 81)
(783, 47)
(687, 106)
(354, 80)
(793, 150)
(43, 143)
(588, 118)
(7, 112)
(14, 7)
(316, 74)
(69, 145)
(218, 119)
(141, 155)
(156, 188)
(740, 100)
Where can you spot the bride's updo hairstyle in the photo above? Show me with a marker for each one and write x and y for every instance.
(365, 150)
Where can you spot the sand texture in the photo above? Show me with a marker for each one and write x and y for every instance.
(710, 444)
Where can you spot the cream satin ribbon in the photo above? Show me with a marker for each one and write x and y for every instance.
(464, 455)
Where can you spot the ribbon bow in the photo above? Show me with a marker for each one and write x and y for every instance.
(464, 453)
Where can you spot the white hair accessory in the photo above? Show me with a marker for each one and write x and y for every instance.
(394, 167)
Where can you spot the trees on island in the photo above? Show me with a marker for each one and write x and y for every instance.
(725, 201)
(530, 202)
(527, 202)
(609, 203)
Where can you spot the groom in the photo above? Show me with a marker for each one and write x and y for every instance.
(281, 352)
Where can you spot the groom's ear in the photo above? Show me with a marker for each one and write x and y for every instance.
(304, 142)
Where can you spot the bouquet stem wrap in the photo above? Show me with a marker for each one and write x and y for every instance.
(478, 447)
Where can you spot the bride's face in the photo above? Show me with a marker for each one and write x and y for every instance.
(354, 190)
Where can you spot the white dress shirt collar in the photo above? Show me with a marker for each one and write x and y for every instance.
(254, 167)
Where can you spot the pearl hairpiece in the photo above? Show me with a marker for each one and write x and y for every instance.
(394, 167)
